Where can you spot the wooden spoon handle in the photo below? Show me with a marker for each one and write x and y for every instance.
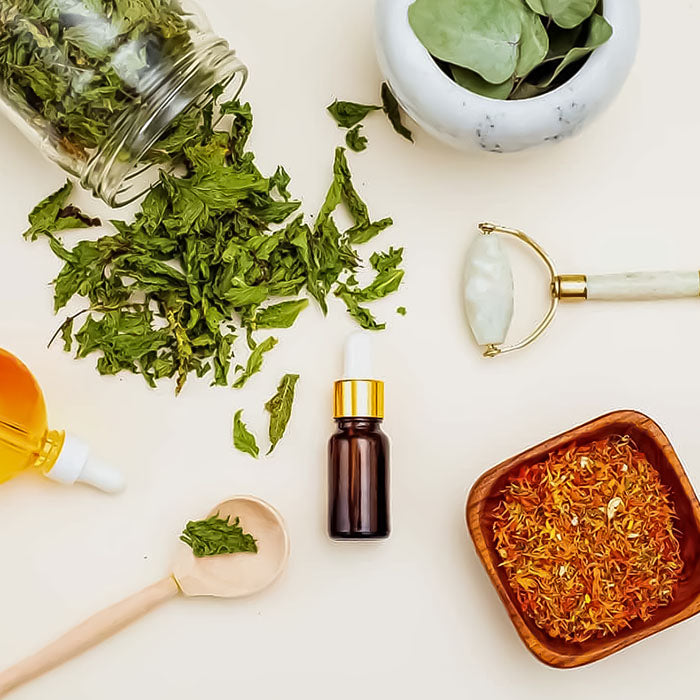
(91, 632)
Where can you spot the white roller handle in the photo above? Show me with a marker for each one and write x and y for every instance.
(643, 286)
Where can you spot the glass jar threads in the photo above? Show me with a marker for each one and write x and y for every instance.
(108, 88)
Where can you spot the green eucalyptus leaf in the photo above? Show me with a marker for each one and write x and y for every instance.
(565, 13)
(473, 82)
(561, 41)
(599, 32)
(526, 90)
(481, 36)
(534, 42)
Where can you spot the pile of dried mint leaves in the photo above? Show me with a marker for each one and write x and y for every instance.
(211, 254)
(217, 535)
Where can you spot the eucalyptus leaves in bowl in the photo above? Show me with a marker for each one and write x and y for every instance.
(510, 49)
(504, 75)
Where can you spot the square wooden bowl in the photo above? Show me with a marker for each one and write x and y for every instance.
(648, 436)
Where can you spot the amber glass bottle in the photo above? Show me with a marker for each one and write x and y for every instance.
(358, 453)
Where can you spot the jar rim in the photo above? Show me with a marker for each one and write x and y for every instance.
(117, 172)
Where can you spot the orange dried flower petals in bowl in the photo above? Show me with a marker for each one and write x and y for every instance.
(593, 556)
(587, 539)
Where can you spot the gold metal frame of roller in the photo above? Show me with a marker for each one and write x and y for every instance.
(561, 287)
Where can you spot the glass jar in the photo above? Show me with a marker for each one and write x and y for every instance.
(108, 89)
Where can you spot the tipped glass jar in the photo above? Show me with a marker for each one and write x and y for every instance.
(109, 89)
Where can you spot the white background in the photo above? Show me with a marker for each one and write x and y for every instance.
(415, 615)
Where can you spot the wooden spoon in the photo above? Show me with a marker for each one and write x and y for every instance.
(224, 576)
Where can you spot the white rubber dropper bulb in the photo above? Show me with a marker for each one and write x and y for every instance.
(358, 356)
(75, 464)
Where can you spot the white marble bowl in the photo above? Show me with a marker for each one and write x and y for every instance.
(469, 121)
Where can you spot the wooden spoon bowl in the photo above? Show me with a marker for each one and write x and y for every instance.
(243, 574)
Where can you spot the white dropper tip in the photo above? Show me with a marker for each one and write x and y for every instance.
(74, 464)
(358, 356)
(102, 476)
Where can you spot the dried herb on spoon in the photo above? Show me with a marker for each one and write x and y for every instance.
(217, 535)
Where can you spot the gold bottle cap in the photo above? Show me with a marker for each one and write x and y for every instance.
(358, 398)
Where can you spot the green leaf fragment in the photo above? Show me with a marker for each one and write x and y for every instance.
(365, 231)
(349, 114)
(280, 408)
(387, 262)
(393, 111)
(386, 281)
(356, 141)
(53, 215)
(67, 334)
(243, 439)
(401, 310)
(217, 535)
(281, 180)
(255, 361)
(282, 315)
(361, 314)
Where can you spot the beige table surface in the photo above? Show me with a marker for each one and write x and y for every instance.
(416, 616)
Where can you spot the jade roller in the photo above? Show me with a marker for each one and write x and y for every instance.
(488, 288)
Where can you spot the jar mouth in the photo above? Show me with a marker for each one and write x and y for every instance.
(120, 172)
